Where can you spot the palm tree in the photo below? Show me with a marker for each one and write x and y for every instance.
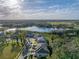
(8, 36)
(52, 38)
(22, 37)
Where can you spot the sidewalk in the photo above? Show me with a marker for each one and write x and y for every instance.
(20, 57)
(19, 54)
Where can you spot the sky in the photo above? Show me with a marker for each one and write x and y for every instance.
(39, 9)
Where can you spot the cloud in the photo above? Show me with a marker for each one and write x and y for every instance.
(39, 9)
(8, 7)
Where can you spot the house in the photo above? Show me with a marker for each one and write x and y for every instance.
(30, 35)
(36, 46)
(42, 52)
(25, 52)
(2, 37)
(1, 33)
(40, 40)
(71, 33)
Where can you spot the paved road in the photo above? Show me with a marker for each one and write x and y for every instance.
(21, 57)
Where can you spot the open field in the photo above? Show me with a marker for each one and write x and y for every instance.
(58, 23)
(10, 52)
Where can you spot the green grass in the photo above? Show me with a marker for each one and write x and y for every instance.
(57, 23)
(10, 52)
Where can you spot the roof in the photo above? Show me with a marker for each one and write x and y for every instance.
(40, 40)
(42, 49)
(25, 51)
(30, 35)
(36, 46)
(1, 33)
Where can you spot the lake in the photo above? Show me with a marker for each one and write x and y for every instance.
(36, 29)
(40, 29)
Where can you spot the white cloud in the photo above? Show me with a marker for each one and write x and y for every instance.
(8, 7)
(12, 9)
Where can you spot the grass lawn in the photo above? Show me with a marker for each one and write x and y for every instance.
(10, 52)
(57, 23)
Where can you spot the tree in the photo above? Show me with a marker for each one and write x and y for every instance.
(22, 37)
(52, 38)
(50, 50)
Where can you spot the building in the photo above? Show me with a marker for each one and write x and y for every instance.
(42, 51)
(2, 37)
(35, 46)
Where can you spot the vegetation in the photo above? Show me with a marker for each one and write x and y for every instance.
(61, 44)
(9, 52)
(66, 47)
(9, 49)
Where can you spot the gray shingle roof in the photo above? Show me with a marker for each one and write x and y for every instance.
(42, 50)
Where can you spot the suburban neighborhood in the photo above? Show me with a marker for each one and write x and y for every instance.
(55, 40)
